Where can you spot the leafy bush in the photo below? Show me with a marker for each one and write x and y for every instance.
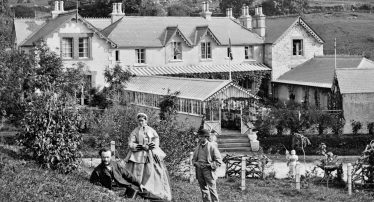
(117, 122)
(356, 126)
(50, 134)
(370, 127)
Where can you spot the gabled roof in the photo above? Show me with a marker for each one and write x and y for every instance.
(148, 31)
(25, 27)
(170, 32)
(189, 88)
(99, 23)
(53, 24)
(278, 26)
(192, 69)
(319, 71)
(356, 80)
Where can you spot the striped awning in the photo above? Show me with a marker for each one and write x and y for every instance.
(193, 69)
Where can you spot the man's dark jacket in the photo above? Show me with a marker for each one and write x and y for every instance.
(122, 177)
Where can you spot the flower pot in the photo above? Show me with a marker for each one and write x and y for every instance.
(252, 136)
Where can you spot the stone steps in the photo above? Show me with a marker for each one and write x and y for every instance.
(233, 142)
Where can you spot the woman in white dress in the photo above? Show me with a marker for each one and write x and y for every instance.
(145, 160)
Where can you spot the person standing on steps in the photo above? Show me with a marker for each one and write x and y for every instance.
(207, 159)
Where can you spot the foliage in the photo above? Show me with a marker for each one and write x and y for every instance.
(23, 75)
(117, 78)
(179, 9)
(356, 126)
(168, 105)
(50, 133)
(363, 168)
(236, 6)
(281, 7)
(117, 122)
(16, 71)
(301, 142)
(370, 127)
(150, 8)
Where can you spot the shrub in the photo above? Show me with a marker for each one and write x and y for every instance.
(50, 134)
(356, 126)
(370, 127)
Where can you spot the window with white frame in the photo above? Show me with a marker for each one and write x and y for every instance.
(206, 50)
(67, 47)
(248, 52)
(83, 48)
(176, 48)
(297, 47)
(140, 55)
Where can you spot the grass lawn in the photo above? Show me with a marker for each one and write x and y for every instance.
(22, 180)
(354, 32)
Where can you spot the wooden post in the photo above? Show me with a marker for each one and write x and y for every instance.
(243, 173)
(349, 178)
(191, 168)
(113, 149)
(297, 176)
(82, 96)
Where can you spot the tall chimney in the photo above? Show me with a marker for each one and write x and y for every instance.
(59, 8)
(205, 12)
(116, 12)
(62, 6)
(245, 19)
(259, 19)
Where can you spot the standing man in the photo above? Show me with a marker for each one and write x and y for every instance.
(206, 160)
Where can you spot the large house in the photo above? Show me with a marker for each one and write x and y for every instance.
(250, 51)
(175, 45)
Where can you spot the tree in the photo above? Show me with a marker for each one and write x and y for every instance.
(116, 77)
(236, 6)
(283, 7)
(179, 9)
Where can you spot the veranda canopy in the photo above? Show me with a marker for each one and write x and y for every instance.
(193, 92)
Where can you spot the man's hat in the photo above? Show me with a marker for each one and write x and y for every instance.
(204, 133)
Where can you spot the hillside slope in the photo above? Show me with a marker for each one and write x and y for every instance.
(354, 32)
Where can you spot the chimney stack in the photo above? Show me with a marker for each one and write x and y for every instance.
(245, 19)
(229, 13)
(259, 22)
(59, 8)
(205, 12)
(117, 12)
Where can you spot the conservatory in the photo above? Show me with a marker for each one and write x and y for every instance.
(222, 102)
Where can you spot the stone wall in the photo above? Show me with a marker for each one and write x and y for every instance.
(282, 59)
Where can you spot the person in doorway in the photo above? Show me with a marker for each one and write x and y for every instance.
(146, 159)
(206, 160)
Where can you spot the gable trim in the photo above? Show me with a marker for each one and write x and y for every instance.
(303, 24)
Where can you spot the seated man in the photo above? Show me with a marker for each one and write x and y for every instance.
(115, 177)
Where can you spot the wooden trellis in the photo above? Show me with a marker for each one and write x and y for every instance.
(255, 166)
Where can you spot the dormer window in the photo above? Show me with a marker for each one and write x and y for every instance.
(248, 53)
(176, 48)
(206, 50)
(297, 47)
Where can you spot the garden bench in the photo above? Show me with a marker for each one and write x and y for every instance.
(255, 165)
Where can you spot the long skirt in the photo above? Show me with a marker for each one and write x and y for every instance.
(153, 175)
